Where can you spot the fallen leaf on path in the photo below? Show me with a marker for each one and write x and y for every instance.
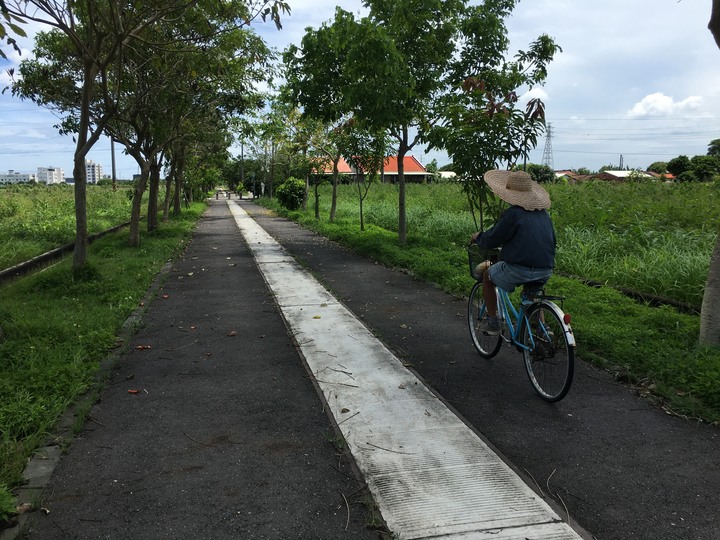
(344, 410)
(166, 296)
(22, 508)
(232, 333)
(143, 347)
(401, 387)
(133, 391)
(317, 317)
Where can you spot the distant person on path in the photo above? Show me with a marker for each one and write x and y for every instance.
(526, 235)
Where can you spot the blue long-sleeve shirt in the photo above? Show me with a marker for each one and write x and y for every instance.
(527, 238)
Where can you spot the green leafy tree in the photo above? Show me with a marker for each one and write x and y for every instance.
(705, 168)
(540, 173)
(96, 36)
(714, 148)
(659, 167)
(368, 150)
(679, 165)
(484, 126)
(318, 81)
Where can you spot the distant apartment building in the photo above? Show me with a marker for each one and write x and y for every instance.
(14, 177)
(50, 175)
(93, 171)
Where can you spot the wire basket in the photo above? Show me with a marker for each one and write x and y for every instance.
(479, 259)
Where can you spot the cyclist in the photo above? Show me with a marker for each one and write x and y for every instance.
(526, 235)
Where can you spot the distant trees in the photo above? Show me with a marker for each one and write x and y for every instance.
(659, 167)
(104, 57)
(678, 165)
(698, 168)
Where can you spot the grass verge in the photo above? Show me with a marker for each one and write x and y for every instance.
(56, 330)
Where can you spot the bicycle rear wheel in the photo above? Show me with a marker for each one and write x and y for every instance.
(488, 346)
(549, 358)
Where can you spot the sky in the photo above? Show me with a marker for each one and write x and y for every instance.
(637, 81)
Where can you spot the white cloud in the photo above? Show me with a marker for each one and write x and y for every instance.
(658, 104)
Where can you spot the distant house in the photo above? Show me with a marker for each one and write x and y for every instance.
(414, 171)
(568, 176)
(620, 176)
(669, 177)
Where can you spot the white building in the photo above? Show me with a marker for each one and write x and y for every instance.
(93, 171)
(14, 177)
(50, 175)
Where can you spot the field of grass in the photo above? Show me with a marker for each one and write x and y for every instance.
(656, 238)
(58, 329)
(36, 219)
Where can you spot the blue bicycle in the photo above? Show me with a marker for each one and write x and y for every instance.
(538, 328)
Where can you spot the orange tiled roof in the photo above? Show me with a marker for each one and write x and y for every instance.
(343, 167)
(412, 166)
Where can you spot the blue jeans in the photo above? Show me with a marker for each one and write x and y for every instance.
(507, 276)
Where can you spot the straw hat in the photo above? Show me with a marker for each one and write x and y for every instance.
(518, 188)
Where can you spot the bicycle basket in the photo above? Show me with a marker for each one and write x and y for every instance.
(479, 259)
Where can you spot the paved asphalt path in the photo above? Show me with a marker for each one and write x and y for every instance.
(227, 437)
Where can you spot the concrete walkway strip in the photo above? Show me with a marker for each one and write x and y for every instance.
(430, 475)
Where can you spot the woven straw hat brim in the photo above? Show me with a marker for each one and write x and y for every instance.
(536, 198)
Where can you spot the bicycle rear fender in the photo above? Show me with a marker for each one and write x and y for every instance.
(567, 329)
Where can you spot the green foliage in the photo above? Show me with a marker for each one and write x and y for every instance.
(659, 167)
(714, 148)
(291, 193)
(678, 165)
(540, 173)
(687, 176)
(705, 168)
(7, 504)
(58, 328)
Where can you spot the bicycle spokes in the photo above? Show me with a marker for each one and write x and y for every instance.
(549, 360)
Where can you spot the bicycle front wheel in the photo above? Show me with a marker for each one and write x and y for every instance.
(487, 345)
(549, 358)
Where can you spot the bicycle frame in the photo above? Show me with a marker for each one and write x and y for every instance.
(516, 319)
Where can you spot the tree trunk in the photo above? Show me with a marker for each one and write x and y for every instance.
(714, 24)
(81, 232)
(402, 221)
(82, 145)
(333, 200)
(134, 240)
(152, 213)
(709, 312)
(179, 171)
